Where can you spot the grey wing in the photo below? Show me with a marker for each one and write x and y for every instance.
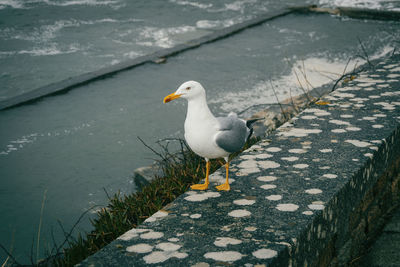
(233, 133)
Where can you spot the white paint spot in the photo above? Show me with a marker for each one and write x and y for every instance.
(343, 95)
(161, 256)
(167, 246)
(195, 216)
(299, 132)
(274, 197)
(383, 85)
(345, 105)
(300, 166)
(326, 150)
(202, 196)
(244, 202)
(140, 248)
(152, 235)
(264, 156)
(390, 93)
(317, 112)
(290, 158)
(225, 241)
(359, 105)
(308, 212)
(273, 149)
(268, 186)
(369, 155)
(200, 264)
(353, 129)
(239, 213)
(267, 178)
(380, 115)
(155, 216)
(132, 233)
(330, 176)
(244, 172)
(338, 131)
(173, 239)
(368, 118)
(346, 116)
(287, 207)
(316, 207)
(250, 228)
(313, 191)
(358, 143)
(355, 159)
(297, 151)
(247, 164)
(265, 253)
(246, 157)
(385, 105)
(377, 126)
(359, 99)
(339, 122)
(268, 164)
(309, 117)
(225, 256)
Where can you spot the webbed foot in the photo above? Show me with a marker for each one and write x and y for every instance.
(199, 186)
(223, 187)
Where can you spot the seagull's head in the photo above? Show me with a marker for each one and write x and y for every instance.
(189, 90)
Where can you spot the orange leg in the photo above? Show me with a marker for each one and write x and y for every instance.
(206, 183)
(225, 186)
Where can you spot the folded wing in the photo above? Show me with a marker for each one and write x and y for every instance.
(232, 134)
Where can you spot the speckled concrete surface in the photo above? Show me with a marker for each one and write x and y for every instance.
(288, 195)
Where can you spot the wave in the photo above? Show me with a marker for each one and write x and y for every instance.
(313, 72)
(162, 37)
(214, 24)
(372, 4)
(50, 50)
(45, 33)
(25, 140)
(11, 4)
(190, 3)
(82, 2)
(28, 4)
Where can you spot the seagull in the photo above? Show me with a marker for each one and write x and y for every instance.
(208, 136)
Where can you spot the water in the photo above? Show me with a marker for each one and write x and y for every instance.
(36, 35)
(75, 144)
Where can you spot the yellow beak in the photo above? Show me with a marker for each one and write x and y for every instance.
(171, 97)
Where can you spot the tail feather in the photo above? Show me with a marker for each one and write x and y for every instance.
(249, 124)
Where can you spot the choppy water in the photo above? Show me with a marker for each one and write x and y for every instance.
(74, 145)
(85, 35)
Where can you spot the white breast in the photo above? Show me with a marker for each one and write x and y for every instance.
(200, 136)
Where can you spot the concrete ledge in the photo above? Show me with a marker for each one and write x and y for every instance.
(300, 198)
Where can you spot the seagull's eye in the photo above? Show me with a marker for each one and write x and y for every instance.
(188, 88)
